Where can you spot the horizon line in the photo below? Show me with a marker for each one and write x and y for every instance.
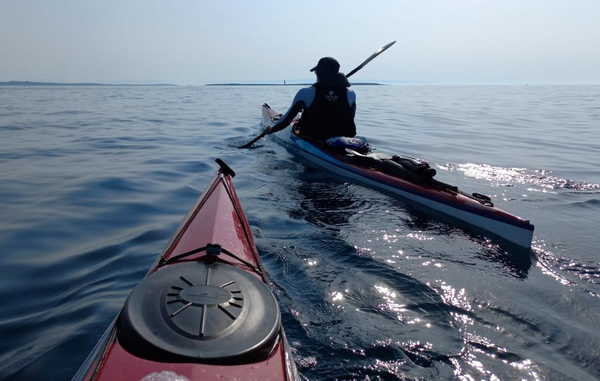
(295, 83)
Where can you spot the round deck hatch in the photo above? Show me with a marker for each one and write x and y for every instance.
(205, 312)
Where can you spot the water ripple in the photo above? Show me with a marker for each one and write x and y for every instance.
(95, 181)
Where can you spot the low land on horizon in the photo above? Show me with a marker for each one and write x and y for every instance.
(34, 83)
(241, 84)
(287, 84)
(31, 83)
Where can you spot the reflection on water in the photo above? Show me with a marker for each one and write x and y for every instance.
(500, 176)
(406, 326)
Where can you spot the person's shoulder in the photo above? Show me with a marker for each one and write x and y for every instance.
(306, 90)
(305, 94)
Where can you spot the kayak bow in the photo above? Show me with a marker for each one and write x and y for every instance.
(204, 311)
(473, 209)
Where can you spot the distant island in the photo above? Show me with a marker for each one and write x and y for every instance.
(29, 83)
(288, 84)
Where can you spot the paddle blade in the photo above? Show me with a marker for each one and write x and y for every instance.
(371, 57)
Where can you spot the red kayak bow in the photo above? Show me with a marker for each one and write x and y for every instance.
(204, 311)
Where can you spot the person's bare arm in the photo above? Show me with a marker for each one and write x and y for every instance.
(287, 118)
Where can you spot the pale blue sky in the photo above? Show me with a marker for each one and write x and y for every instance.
(196, 42)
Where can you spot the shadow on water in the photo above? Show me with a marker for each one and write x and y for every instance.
(326, 205)
(514, 259)
(329, 204)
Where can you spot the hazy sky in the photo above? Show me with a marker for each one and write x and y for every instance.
(201, 41)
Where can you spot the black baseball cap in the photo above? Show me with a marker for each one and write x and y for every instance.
(328, 65)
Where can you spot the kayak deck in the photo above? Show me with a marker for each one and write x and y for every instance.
(446, 200)
(203, 311)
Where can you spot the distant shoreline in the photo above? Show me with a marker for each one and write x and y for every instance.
(241, 84)
(288, 84)
(30, 83)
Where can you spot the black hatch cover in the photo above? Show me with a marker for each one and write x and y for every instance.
(205, 312)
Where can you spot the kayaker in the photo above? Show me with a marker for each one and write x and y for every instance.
(328, 106)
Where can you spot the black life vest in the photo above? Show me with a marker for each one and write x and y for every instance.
(329, 114)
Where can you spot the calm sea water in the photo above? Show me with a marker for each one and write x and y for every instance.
(95, 180)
